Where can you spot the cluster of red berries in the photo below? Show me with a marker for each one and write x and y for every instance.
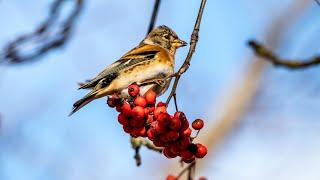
(140, 116)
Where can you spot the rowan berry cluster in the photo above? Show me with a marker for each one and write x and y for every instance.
(140, 116)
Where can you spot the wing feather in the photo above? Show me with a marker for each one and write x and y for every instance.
(128, 60)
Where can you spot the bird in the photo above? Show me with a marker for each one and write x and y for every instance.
(150, 65)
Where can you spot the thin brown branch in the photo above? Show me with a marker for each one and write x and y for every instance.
(188, 169)
(268, 55)
(137, 143)
(175, 102)
(154, 15)
(193, 43)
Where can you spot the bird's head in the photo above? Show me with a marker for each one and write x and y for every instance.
(164, 37)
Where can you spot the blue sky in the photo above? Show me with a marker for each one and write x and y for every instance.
(278, 136)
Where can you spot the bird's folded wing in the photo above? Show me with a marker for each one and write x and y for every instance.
(132, 58)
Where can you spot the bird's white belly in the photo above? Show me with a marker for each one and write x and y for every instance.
(139, 76)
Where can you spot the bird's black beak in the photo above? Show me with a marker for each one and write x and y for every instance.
(183, 43)
(180, 43)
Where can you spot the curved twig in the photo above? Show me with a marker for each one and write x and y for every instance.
(193, 43)
(268, 55)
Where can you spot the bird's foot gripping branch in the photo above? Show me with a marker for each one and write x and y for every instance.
(141, 116)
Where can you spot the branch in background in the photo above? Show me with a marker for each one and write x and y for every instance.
(154, 15)
(263, 52)
(193, 44)
(318, 2)
(51, 34)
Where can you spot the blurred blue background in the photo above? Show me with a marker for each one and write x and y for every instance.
(276, 137)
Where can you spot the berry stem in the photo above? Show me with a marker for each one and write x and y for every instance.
(189, 168)
(192, 138)
(136, 144)
(175, 102)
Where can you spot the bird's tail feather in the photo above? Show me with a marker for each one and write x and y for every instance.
(83, 101)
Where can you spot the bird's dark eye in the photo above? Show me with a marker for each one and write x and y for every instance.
(166, 36)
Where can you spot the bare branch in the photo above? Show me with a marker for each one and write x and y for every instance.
(268, 55)
(136, 144)
(190, 168)
(154, 15)
(51, 34)
(193, 44)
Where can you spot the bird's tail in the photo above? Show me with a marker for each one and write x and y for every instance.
(83, 101)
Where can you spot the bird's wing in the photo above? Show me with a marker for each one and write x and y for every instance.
(135, 56)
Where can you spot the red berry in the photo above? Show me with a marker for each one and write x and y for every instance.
(186, 133)
(158, 143)
(197, 124)
(138, 112)
(164, 138)
(140, 101)
(185, 125)
(135, 133)
(171, 177)
(118, 108)
(172, 135)
(181, 116)
(186, 154)
(174, 148)
(111, 102)
(168, 153)
(150, 97)
(133, 90)
(137, 122)
(163, 119)
(175, 124)
(202, 178)
(189, 160)
(184, 143)
(143, 132)
(122, 119)
(161, 104)
(202, 151)
(160, 129)
(126, 109)
(158, 110)
(127, 129)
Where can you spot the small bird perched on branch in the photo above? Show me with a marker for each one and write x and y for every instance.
(150, 65)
